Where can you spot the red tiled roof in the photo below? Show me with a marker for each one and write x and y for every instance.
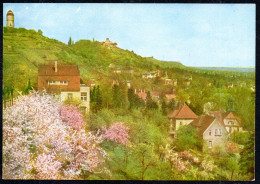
(221, 115)
(170, 96)
(69, 73)
(142, 95)
(62, 70)
(230, 115)
(183, 112)
(202, 122)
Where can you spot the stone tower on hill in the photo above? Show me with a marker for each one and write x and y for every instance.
(10, 19)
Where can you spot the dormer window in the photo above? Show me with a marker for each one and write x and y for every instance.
(231, 122)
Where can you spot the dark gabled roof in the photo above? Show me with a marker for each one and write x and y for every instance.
(62, 70)
(202, 122)
(183, 112)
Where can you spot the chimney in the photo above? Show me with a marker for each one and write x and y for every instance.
(135, 91)
(56, 67)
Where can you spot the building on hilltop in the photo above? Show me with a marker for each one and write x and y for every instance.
(212, 131)
(10, 19)
(63, 81)
(108, 43)
(183, 115)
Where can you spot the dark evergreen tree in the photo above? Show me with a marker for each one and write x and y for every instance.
(28, 87)
(130, 95)
(247, 160)
(150, 104)
(70, 42)
(172, 104)
(116, 96)
(164, 106)
(99, 99)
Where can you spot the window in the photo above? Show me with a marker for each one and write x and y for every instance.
(70, 96)
(209, 132)
(218, 132)
(231, 122)
(210, 144)
(64, 82)
(83, 96)
(52, 82)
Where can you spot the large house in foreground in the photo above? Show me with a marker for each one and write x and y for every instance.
(63, 81)
(212, 131)
(183, 115)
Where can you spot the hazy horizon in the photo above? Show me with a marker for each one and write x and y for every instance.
(199, 35)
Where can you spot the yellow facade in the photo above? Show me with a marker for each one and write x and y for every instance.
(77, 95)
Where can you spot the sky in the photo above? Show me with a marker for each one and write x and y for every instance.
(221, 35)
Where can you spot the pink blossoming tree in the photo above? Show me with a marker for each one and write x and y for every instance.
(117, 132)
(41, 143)
(72, 115)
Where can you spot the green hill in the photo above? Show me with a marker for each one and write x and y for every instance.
(24, 50)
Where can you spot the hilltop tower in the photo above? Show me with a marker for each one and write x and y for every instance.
(10, 19)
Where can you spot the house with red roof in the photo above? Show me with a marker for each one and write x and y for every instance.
(183, 115)
(141, 94)
(212, 130)
(231, 122)
(63, 81)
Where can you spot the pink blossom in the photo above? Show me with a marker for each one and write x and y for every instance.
(71, 115)
(37, 137)
(117, 132)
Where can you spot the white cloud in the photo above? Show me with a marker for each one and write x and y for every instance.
(78, 9)
(27, 8)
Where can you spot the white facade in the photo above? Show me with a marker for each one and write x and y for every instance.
(214, 136)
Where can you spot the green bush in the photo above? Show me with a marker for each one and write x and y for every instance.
(240, 137)
(187, 138)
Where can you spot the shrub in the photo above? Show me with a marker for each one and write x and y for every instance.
(232, 148)
(240, 137)
(187, 138)
(117, 132)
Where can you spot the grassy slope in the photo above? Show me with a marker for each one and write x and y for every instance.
(24, 50)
